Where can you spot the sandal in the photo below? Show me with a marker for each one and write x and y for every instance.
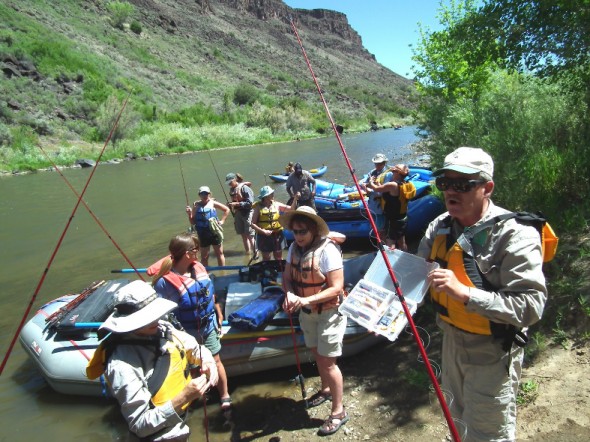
(333, 423)
(226, 404)
(318, 399)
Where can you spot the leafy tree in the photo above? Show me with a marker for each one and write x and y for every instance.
(541, 36)
(514, 78)
(450, 63)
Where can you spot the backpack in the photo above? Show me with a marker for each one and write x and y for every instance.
(549, 239)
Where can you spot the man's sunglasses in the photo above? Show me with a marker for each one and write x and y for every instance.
(460, 185)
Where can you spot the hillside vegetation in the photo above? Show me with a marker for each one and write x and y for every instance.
(198, 74)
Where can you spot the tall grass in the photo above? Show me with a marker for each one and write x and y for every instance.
(536, 131)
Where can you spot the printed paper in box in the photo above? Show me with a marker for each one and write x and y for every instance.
(373, 303)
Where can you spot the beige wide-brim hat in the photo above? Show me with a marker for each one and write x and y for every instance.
(285, 219)
(136, 305)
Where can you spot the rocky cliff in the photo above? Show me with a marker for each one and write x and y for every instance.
(194, 51)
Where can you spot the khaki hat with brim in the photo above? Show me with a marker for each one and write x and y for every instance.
(380, 158)
(136, 305)
(306, 211)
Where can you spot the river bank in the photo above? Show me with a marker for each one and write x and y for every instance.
(386, 393)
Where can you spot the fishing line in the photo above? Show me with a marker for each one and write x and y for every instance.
(220, 183)
(61, 238)
(396, 285)
(190, 221)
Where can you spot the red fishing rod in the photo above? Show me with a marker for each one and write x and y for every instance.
(381, 247)
(299, 376)
(61, 238)
(92, 214)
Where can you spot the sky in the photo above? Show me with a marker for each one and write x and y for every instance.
(387, 27)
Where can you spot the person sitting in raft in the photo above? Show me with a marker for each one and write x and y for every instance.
(153, 395)
(265, 221)
(289, 169)
(208, 225)
(314, 284)
(181, 278)
(395, 195)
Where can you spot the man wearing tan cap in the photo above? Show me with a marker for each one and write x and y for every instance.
(489, 289)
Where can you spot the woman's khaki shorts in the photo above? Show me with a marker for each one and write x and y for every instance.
(324, 331)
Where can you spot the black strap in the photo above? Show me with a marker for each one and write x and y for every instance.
(509, 334)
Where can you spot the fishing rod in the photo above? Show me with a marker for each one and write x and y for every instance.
(190, 221)
(133, 269)
(60, 240)
(381, 247)
(220, 183)
(299, 376)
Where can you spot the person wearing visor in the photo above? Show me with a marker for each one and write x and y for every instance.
(488, 290)
(379, 175)
(205, 220)
(395, 195)
(146, 362)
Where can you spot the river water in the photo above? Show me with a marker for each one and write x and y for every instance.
(141, 205)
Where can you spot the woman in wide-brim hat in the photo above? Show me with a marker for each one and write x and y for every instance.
(270, 238)
(314, 282)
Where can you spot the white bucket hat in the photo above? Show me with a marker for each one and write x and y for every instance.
(136, 305)
(285, 219)
(265, 191)
(468, 160)
(380, 158)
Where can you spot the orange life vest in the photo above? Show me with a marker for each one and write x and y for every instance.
(306, 277)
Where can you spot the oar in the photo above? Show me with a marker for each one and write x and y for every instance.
(210, 268)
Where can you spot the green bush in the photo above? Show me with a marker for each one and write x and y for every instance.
(119, 12)
(245, 94)
(107, 117)
(5, 135)
(136, 27)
